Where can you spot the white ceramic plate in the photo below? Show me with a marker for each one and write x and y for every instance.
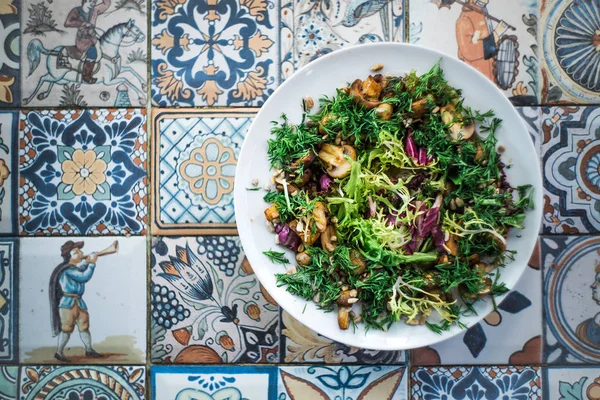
(322, 77)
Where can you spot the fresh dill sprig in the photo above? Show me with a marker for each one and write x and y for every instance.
(276, 257)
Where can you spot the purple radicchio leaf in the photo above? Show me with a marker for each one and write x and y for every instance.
(325, 183)
(411, 147)
(287, 237)
(431, 218)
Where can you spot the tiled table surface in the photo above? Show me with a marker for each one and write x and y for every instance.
(146, 156)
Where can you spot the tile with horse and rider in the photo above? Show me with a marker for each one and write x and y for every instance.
(85, 53)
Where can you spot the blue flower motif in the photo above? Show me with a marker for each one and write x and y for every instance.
(121, 213)
(83, 207)
(516, 386)
(123, 134)
(436, 387)
(311, 35)
(45, 131)
(44, 213)
(592, 170)
(49, 173)
(84, 138)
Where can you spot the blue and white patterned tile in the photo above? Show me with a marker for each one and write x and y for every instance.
(492, 382)
(312, 28)
(195, 156)
(571, 383)
(342, 382)
(9, 300)
(208, 307)
(569, 53)
(9, 166)
(83, 311)
(507, 57)
(10, 35)
(63, 40)
(214, 383)
(83, 382)
(509, 335)
(300, 344)
(571, 298)
(9, 382)
(571, 157)
(215, 53)
(83, 172)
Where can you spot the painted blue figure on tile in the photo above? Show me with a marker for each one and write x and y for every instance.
(80, 67)
(67, 286)
(589, 330)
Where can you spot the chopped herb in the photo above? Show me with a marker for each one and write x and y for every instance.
(276, 257)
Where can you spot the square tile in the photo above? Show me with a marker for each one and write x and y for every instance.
(299, 344)
(208, 306)
(214, 382)
(215, 53)
(9, 300)
(83, 382)
(571, 269)
(9, 164)
(342, 382)
(476, 382)
(569, 51)
(10, 33)
(9, 382)
(561, 383)
(189, 146)
(55, 47)
(311, 28)
(104, 302)
(495, 340)
(82, 172)
(571, 156)
(509, 58)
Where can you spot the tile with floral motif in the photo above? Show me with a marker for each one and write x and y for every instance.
(312, 28)
(82, 172)
(569, 43)
(342, 382)
(496, 37)
(195, 155)
(510, 335)
(207, 306)
(214, 383)
(572, 383)
(9, 165)
(523, 383)
(83, 382)
(571, 157)
(9, 382)
(214, 52)
(82, 300)
(9, 301)
(10, 35)
(300, 344)
(571, 269)
(82, 54)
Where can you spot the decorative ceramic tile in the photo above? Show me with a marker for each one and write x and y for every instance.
(195, 155)
(9, 276)
(509, 335)
(215, 52)
(83, 382)
(505, 52)
(570, 59)
(532, 117)
(64, 289)
(214, 383)
(90, 54)
(9, 164)
(300, 344)
(9, 376)
(571, 155)
(519, 383)
(82, 172)
(207, 304)
(571, 383)
(571, 298)
(344, 382)
(10, 82)
(311, 28)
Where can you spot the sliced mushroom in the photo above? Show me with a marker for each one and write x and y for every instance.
(356, 261)
(303, 161)
(344, 318)
(303, 258)
(384, 111)
(271, 213)
(327, 239)
(419, 106)
(303, 179)
(451, 245)
(347, 298)
(486, 288)
(326, 120)
(338, 165)
(303, 230)
(458, 130)
(320, 216)
(367, 92)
